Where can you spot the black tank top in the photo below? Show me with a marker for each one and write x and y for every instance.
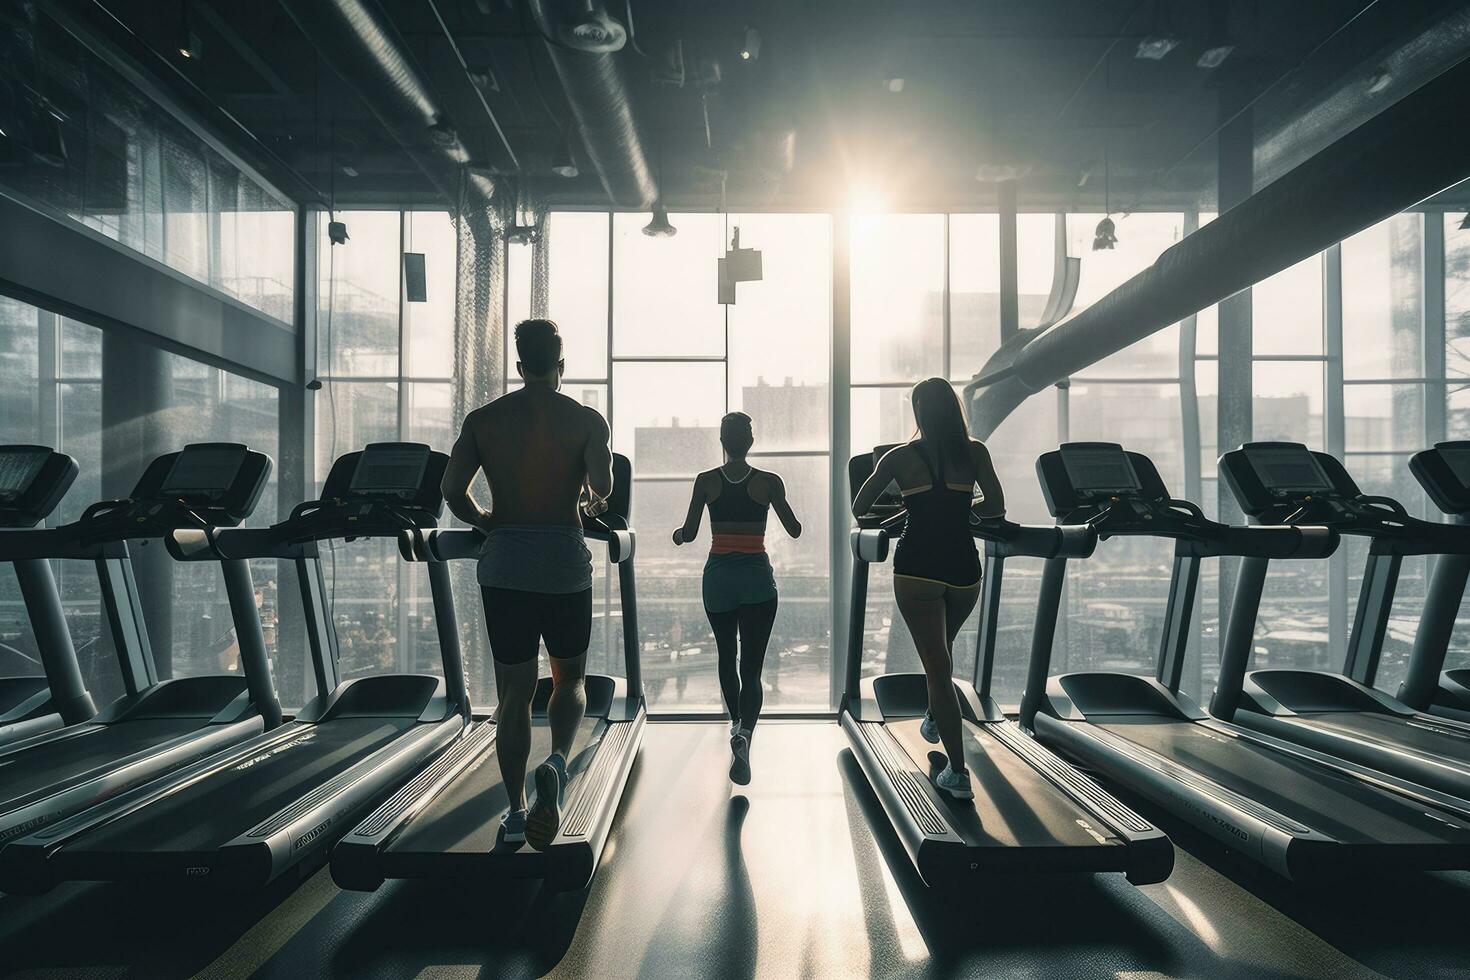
(734, 506)
(936, 543)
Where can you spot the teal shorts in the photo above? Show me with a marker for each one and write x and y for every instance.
(735, 580)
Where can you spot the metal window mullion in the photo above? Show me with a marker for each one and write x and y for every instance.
(946, 325)
(48, 390)
(840, 425)
(1436, 420)
(607, 577)
(1335, 432)
(401, 567)
(1189, 421)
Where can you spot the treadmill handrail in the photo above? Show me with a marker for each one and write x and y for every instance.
(1201, 537)
(1003, 538)
(310, 521)
(448, 544)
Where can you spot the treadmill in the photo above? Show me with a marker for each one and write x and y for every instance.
(1302, 813)
(1032, 811)
(33, 479)
(1337, 712)
(446, 822)
(1444, 472)
(158, 725)
(276, 803)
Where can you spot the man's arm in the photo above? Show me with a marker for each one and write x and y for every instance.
(464, 462)
(598, 460)
(782, 506)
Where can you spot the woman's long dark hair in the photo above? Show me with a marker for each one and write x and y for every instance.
(942, 427)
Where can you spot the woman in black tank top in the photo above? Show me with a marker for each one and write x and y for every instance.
(739, 584)
(936, 566)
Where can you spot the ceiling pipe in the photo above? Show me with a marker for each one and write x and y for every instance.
(359, 43)
(598, 96)
(1409, 152)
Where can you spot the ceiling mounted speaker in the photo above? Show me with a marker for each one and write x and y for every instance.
(593, 31)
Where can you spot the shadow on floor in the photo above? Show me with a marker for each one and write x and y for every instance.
(127, 929)
(1409, 924)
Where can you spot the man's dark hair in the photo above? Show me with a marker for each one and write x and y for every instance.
(538, 346)
(736, 434)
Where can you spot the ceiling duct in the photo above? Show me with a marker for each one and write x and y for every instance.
(598, 96)
(1407, 153)
(359, 43)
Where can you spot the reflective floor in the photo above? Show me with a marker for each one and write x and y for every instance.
(784, 878)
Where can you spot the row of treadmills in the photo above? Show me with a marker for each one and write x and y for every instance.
(1312, 773)
(203, 780)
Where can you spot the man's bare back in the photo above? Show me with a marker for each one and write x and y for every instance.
(538, 449)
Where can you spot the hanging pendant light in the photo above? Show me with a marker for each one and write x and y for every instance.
(659, 227)
(1106, 235)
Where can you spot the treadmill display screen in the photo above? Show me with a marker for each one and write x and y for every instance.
(1456, 456)
(18, 469)
(1288, 468)
(204, 471)
(390, 468)
(1100, 469)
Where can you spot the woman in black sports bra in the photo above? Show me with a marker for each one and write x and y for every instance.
(739, 585)
(936, 566)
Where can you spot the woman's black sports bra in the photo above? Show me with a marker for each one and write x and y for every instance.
(936, 543)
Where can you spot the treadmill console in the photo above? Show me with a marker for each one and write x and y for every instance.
(1094, 475)
(1271, 480)
(1444, 472)
(33, 479)
(405, 475)
(221, 479)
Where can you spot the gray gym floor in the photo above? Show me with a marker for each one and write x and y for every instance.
(781, 879)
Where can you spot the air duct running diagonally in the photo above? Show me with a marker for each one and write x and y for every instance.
(599, 99)
(359, 43)
(1406, 154)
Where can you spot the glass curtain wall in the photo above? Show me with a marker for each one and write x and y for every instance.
(648, 345)
(1345, 358)
(103, 154)
(385, 367)
(51, 381)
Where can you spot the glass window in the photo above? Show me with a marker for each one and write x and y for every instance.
(897, 270)
(1386, 417)
(359, 293)
(1143, 418)
(880, 417)
(20, 371)
(351, 414)
(428, 327)
(1286, 315)
(1456, 295)
(665, 300)
(1382, 300)
(666, 418)
(1287, 402)
(577, 290)
(974, 293)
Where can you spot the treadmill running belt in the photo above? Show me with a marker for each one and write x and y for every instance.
(1421, 736)
(1342, 807)
(64, 761)
(220, 808)
(1014, 806)
(465, 818)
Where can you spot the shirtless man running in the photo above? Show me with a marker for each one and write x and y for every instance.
(547, 461)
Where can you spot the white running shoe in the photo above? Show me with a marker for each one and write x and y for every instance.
(513, 827)
(544, 819)
(929, 728)
(956, 784)
(740, 758)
